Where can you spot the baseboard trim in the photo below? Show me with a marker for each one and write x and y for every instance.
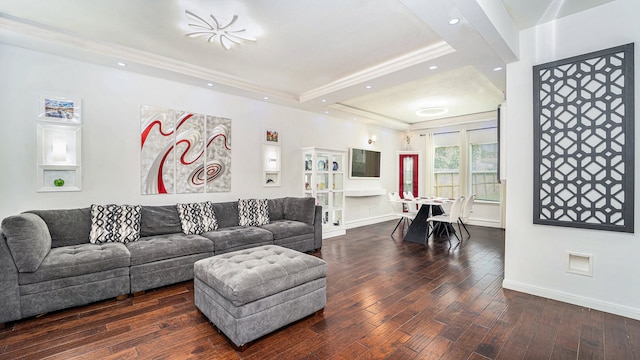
(485, 223)
(388, 217)
(591, 303)
(369, 221)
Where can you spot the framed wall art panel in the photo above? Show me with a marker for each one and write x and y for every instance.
(584, 141)
(184, 152)
(157, 158)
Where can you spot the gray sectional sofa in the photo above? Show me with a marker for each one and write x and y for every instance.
(47, 262)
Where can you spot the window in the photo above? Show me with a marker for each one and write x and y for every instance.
(484, 171)
(446, 169)
(483, 164)
(466, 162)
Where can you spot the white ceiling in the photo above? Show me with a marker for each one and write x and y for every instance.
(358, 59)
(528, 13)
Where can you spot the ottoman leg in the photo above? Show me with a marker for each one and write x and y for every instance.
(240, 348)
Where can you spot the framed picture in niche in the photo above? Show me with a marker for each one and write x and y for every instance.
(271, 136)
(59, 109)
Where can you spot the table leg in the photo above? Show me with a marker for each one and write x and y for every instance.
(418, 228)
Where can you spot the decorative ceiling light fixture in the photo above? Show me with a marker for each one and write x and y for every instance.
(432, 111)
(225, 34)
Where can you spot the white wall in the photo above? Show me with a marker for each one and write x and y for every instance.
(536, 255)
(111, 100)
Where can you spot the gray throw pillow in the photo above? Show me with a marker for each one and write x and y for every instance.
(197, 218)
(300, 209)
(253, 212)
(159, 220)
(114, 223)
(28, 240)
(276, 209)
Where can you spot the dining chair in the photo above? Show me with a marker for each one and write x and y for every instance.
(466, 212)
(447, 219)
(396, 207)
(411, 207)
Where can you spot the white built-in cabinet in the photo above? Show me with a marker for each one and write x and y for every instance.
(324, 174)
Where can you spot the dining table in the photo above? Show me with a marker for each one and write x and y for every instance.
(429, 206)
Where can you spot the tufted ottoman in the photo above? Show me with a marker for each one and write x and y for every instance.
(249, 293)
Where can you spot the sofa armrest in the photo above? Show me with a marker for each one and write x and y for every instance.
(317, 224)
(9, 291)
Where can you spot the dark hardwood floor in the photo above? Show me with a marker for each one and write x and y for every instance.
(385, 300)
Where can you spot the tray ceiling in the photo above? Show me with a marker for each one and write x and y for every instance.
(363, 60)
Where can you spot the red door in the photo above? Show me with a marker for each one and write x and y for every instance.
(408, 174)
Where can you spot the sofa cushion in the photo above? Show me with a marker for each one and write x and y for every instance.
(282, 229)
(28, 240)
(114, 223)
(197, 218)
(300, 209)
(253, 212)
(159, 220)
(66, 226)
(76, 260)
(226, 213)
(168, 246)
(276, 209)
(235, 236)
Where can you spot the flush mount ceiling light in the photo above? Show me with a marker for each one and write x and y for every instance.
(432, 111)
(226, 35)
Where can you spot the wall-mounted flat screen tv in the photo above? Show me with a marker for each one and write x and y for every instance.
(364, 163)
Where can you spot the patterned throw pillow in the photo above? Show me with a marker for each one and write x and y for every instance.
(197, 218)
(114, 223)
(253, 212)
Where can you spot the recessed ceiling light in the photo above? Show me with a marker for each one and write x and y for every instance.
(454, 21)
(266, 98)
(368, 86)
(433, 67)
(324, 100)
(498, 68)
(121, 64)
(209, 84)
(326, 112)
(432, 111)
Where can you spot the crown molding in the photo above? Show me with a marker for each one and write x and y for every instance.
(455, 120)
(41, 38)
(377, 118)
(417, 57)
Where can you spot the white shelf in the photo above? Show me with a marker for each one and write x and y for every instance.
(324, 180)
(364, 192)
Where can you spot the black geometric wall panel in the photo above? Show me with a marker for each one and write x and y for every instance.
(584, 141)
